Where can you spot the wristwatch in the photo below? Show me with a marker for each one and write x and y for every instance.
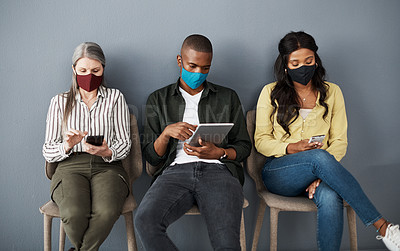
(224, 156)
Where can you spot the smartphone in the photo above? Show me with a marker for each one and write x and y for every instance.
(317, 138)
(95, 140)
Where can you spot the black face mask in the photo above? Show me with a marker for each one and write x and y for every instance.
(303, 74)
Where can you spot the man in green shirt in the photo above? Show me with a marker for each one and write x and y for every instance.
(209, 175)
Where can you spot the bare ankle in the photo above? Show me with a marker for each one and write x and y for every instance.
(381, 226)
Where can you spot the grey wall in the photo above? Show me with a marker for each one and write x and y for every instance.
(358, 44)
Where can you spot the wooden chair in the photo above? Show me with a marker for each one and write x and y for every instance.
(277, 203)
(132, 164)
(195, 210)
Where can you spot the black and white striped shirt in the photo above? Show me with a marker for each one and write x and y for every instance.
(108, 116)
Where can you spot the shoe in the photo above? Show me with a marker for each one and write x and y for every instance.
(391, 238)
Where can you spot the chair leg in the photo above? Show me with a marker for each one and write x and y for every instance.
(61, 244)
(130, 232)
(274, 213)
(47, 223)
(257, 229)
(242, 233)
(351, 218)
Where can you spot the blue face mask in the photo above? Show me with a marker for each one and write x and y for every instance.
(193, 79)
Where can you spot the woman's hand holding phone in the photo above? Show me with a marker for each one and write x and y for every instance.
(73, 137)
(302, 145)
(102, 151)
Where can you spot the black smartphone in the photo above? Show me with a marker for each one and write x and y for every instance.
(95, 140)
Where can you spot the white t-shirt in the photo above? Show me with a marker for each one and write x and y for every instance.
(304, 112)
(190, 116)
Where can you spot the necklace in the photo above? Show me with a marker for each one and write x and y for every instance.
(304, 98)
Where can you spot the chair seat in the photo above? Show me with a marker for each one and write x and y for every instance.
(51, 208)
(130, 204)
(298, 203)
(195, 210)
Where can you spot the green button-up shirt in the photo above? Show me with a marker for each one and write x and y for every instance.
(217, 105)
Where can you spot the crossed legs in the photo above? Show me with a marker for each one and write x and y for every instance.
(290, 175)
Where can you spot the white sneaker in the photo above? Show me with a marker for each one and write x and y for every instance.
(391, 238)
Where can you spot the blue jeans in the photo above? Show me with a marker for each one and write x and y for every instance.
(290, 175)
(212, 187)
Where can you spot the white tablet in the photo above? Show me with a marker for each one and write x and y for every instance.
(212, 132)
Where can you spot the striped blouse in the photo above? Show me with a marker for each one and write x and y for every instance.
(108, 116)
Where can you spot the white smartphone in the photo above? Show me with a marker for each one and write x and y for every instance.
(317, 138)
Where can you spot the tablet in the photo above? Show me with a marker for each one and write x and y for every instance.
(212, 132)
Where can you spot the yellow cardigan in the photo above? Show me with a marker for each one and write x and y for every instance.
(334, 126)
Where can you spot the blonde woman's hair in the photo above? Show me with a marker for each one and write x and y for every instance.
(89, 50)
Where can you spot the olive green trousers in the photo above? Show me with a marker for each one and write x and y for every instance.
(90, 194)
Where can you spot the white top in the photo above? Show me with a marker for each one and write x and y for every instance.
(304, 112)
(108, 116)
(190, 116)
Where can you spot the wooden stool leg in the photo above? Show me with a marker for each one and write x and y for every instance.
(274, 213)
(130, 232)
(257, 229)
(47, 222)
(242, 234)
(351, 218)
(61, 244)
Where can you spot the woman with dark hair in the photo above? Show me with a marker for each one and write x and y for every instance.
(89, 185)
(290, 111)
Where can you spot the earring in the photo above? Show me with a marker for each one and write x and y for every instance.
(285, 71)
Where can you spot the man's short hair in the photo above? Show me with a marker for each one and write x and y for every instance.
(198, 43)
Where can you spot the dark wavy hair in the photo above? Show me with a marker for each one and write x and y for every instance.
(284, 97)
